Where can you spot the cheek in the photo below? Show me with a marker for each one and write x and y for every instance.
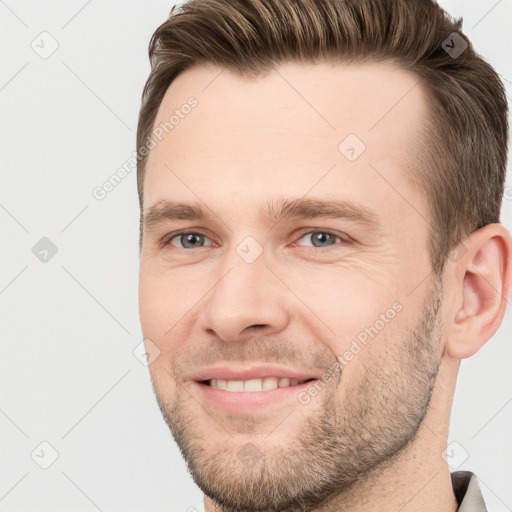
(163, 300)
(169, 302)
(156, 318)
(152, 304)
(346, 300)
(351, 315)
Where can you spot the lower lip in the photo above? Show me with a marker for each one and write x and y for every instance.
(244, 401)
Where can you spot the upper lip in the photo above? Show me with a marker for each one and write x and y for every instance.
(254, 372)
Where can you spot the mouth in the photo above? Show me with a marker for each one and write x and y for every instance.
(254, 385)
(252, 396)
(238, 389)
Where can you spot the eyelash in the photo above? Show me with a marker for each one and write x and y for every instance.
(344, 240)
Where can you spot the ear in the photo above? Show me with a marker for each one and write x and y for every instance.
(479, 286)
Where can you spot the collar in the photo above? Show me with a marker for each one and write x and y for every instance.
(467, 492)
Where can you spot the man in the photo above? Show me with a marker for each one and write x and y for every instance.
(320, 184)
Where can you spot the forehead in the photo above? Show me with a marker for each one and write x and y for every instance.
(287, 131)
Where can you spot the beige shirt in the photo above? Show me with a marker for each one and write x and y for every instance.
(467, 492)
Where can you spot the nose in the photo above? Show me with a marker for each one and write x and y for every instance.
(247, 300)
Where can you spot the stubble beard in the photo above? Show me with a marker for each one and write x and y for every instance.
(341, 443)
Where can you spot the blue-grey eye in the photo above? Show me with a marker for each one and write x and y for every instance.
(188, 240)
(321, 238)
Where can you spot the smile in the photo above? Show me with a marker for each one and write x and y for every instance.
(254, 385)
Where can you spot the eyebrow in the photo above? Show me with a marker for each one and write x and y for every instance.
(274, 212)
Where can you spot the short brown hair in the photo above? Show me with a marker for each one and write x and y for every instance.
(463, 154)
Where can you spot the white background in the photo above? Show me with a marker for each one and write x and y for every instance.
(68, 327)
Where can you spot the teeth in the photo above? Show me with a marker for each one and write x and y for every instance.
(269, 383)
(235, 385)
(221, 384)
(266, 384)
(284, 383)
(252, 385)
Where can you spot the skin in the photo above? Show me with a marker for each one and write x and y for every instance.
(250, 142)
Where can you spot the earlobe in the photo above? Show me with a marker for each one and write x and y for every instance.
(482, 281)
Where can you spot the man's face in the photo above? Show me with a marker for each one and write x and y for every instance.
(347, 300)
